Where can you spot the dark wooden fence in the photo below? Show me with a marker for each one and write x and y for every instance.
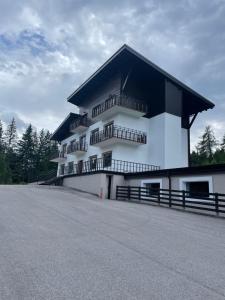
(210, 202)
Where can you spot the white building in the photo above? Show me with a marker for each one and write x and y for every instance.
(133, 117)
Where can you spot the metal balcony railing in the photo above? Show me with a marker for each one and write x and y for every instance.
(81, 121)
(77, 146)
(119, 100)
(113, 165)
(120, 133)
(58, 154)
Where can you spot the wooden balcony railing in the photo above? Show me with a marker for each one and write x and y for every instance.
(120, 133)
(119, 100)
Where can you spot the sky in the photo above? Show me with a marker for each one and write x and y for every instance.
(48, 48)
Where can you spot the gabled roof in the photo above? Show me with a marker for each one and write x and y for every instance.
(122, 57)
(63, 131)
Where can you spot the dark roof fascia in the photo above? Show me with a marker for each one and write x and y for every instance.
(93, 173)
(208, 169)
(70, 116)
(147, 61)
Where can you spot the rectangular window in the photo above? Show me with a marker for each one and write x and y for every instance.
(64, 150)
(108, 129)
(93, 162)
(70, 167)
(94, 136)
(107, 159)
(152, 188)
(198, 188)
(62, 169)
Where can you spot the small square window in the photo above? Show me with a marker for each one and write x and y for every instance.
(152, 188)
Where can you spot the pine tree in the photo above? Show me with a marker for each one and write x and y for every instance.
(222, 145)
(1, 138)
(207, 144)
(26, 154)
(11, 136)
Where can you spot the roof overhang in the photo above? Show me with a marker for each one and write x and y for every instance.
(126, 57)
(63, 131)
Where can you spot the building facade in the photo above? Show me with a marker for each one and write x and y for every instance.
(133, 117)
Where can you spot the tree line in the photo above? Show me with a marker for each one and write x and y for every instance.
(27, 158)
(24, 159)
(209, 150)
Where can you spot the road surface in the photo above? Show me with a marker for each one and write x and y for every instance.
(62, 244)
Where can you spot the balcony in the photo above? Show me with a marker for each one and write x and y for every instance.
(118, 134)
(119, 104)
(112, 165)
(77, 148)
(80, 125)
(58, 157)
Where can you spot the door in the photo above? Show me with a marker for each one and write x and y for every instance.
(79, 166)
(109, 182)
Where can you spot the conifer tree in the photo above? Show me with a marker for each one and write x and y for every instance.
(26, 154)
(11, 136)
(1, 138)
(207, 144)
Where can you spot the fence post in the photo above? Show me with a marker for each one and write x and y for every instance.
(183, 198)
(216, 203)
(128, 192)
(170, 200)
(159, 196)
(139, 193)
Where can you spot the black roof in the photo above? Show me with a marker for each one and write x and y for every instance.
(195, 170)
(63, 131)
(125, 56)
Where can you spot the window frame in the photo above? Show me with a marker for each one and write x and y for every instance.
(106, 165)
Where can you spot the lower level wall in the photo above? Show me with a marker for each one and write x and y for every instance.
(97, 184)
(216, 181)
(104, 185)
(94, 184)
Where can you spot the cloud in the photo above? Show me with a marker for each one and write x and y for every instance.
(48, 48)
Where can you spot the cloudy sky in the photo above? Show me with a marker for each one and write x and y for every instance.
(48, 48)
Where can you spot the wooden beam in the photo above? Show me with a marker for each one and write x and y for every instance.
(192, 120)
(125, 81)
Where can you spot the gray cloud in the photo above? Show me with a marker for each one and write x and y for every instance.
(48, 48)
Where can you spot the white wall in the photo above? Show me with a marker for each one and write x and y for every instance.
(166, 141)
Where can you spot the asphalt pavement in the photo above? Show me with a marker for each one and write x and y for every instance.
(61, 244)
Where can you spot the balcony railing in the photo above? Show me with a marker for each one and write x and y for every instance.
(119, 100)
(58, 155)
(114, 165)
(81, 122)
(118, 132)
(77, 147)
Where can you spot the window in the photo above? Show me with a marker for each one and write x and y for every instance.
(70, 167)
(198, 188)
(61, 170)
(94, 136)
(93, 162)
(107, 159)
(64, 150)
(152, 188)
(108, 129)
(197, 185)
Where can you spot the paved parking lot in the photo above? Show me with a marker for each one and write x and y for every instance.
(60, 244)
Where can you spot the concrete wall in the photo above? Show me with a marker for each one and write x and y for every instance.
(216, 181)
(95, 184)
